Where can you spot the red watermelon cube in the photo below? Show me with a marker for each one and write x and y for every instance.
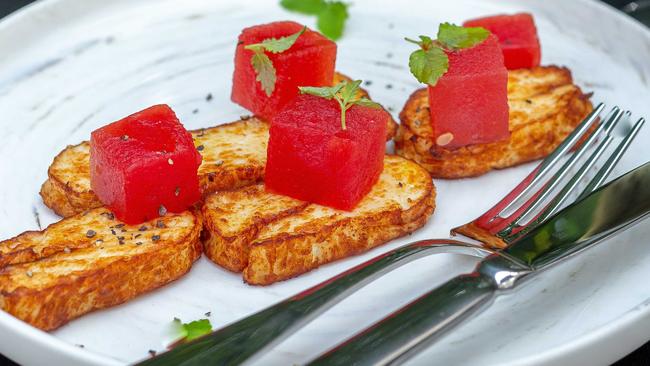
(311, 158)
(145, 165)
(517, 37)
(310, 61)
(469, 104)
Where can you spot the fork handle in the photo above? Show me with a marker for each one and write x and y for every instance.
(241, 340)
(409, 330)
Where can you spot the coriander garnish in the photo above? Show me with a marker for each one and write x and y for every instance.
(456, 37)
(430, 62)
(191, 330)
(262, 64)
(345, 94)
(330, 15)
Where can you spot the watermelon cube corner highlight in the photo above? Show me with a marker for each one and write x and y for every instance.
(309, 61)
(145, 165)
(311, 158)
(517, 37)
(469, 103)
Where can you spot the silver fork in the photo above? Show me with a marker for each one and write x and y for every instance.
(534, 200)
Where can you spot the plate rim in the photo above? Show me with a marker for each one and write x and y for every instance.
(17, 330)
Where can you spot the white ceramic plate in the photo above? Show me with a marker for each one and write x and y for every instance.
(68, 67)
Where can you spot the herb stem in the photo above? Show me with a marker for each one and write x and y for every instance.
(343, 110)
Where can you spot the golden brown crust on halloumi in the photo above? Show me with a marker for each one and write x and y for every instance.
(272, 238)
(234, 155)
(50, 277)
(545, 106)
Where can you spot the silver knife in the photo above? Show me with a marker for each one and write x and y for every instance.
(399, 336)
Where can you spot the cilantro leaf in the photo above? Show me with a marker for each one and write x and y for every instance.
(330, 14)
(323, 92)
(428, 65)
(365, 102)
(345, 93)
(265, 71)
(457, 37)
(349, 90)
(309, 7)
(279, 45)
(331, 19)
(192, 330)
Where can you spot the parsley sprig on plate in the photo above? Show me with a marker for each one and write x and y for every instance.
(430, 62)
(345, 93)
(192, 330)
(330, 15)
(261, 62)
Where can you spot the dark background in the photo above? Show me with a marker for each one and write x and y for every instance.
(639, 9)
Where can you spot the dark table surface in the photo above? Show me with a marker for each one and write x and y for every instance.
(640, 9)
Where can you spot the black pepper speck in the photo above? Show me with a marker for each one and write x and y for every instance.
(142, 228)
(155, 238)
(90, 233)
(200, 147)
(162, 211)
(208, 97)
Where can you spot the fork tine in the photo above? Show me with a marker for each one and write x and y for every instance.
(549, 162)
(529, 223)
(536, 201)
(595, 181)
(607, 168)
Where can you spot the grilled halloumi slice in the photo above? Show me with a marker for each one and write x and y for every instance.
(92, 261)
(545, 106)
(234, 155)
(271, 238)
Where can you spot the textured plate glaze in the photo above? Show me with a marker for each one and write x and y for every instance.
(70, 66)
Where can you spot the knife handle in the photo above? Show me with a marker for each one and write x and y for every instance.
(241, 340)
(415, 326)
